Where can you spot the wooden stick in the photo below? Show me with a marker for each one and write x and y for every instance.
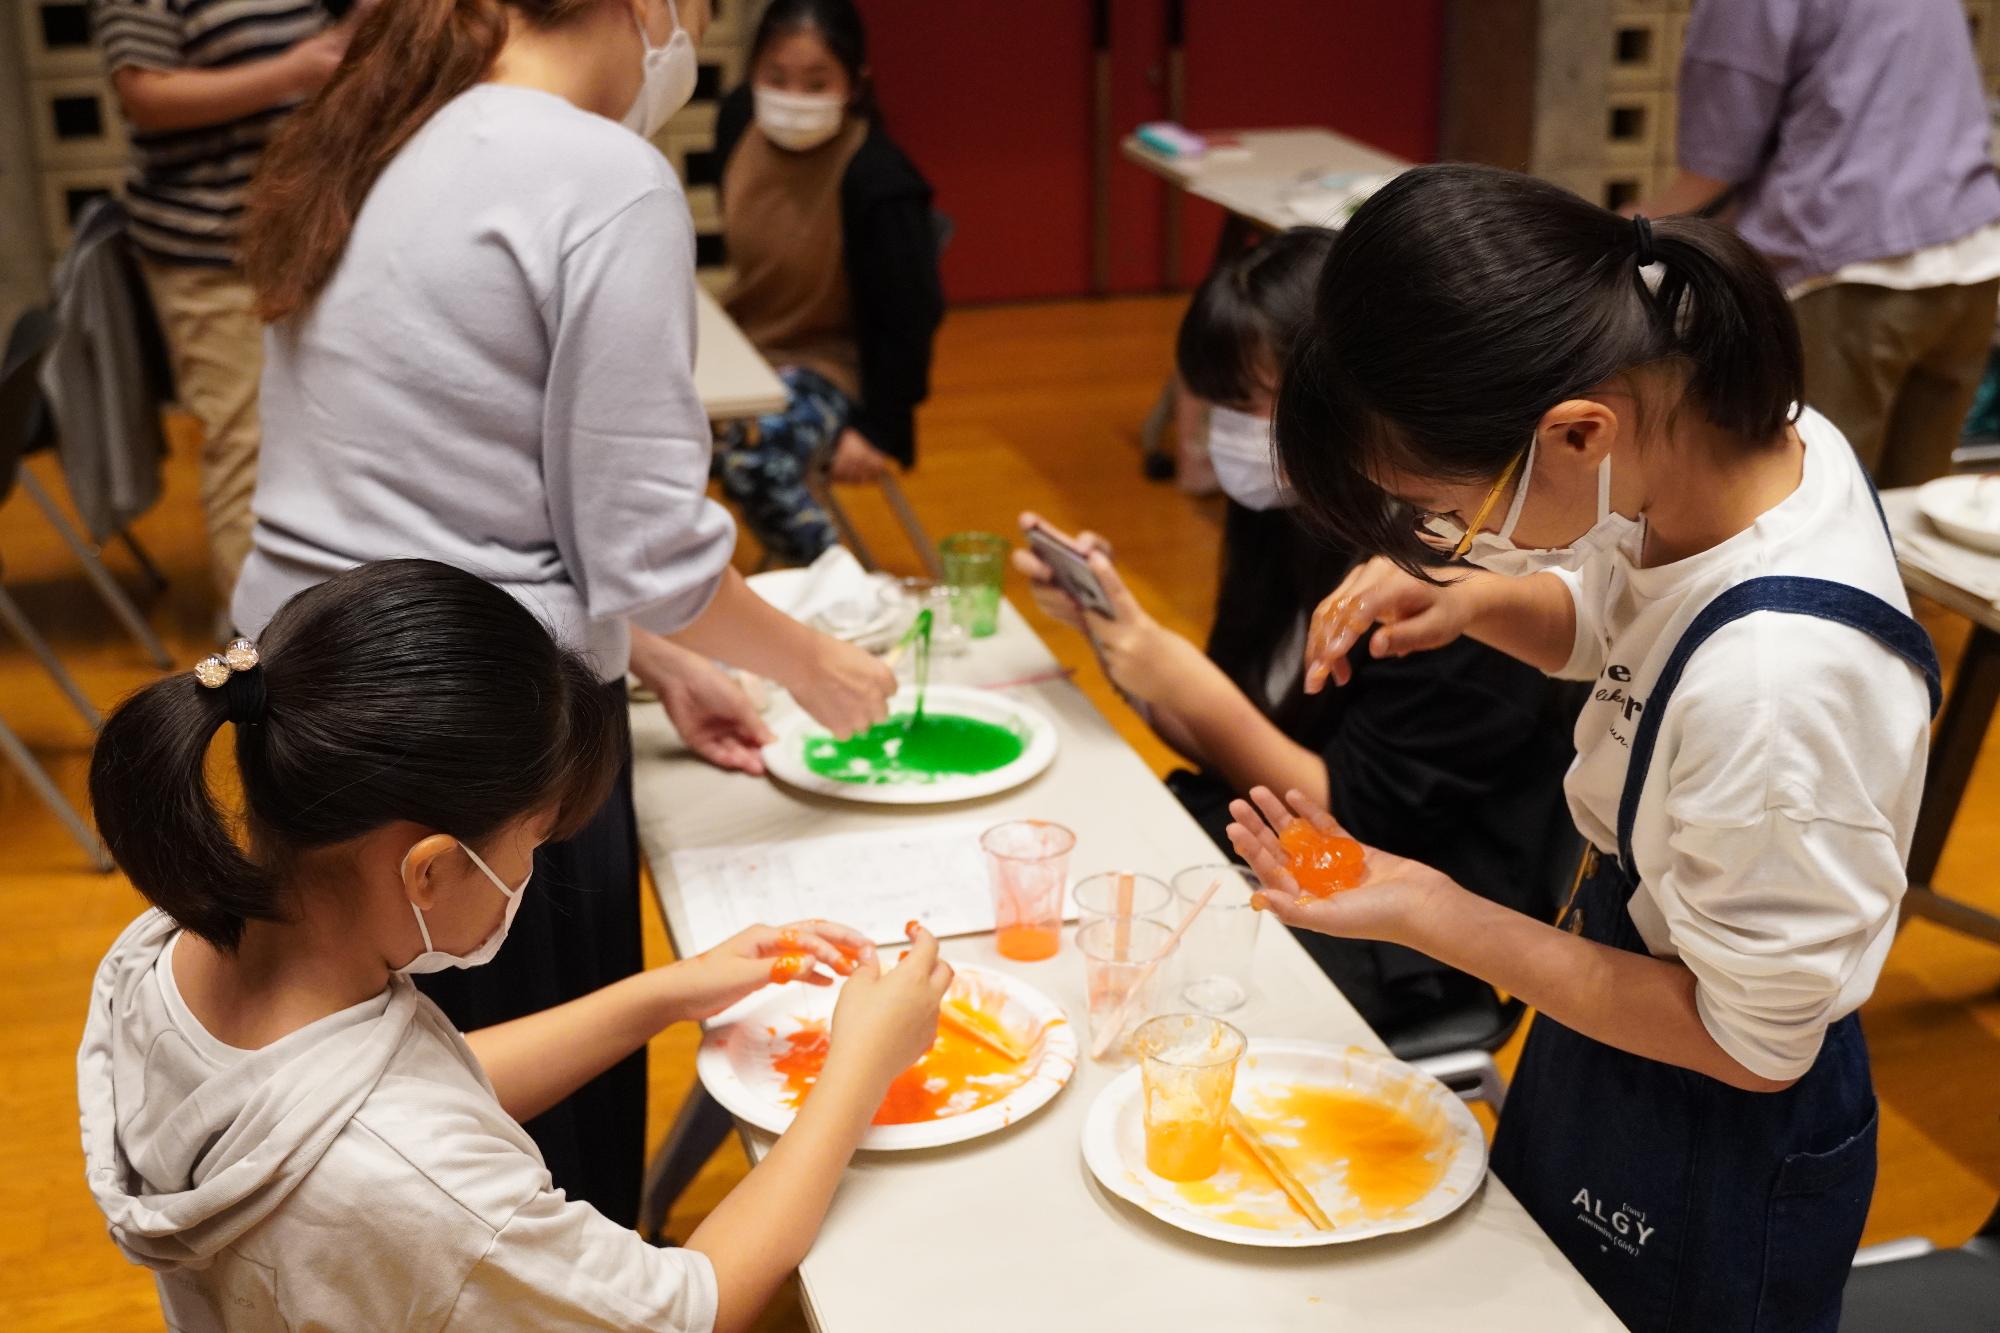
(1110, 1034)
(954, 1013)
(1122, 935)
(1275, 1167)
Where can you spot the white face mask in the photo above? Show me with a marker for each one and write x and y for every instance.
(1246, 466)
(798, 121)
(1496, 551)
(436, 960)
(667, 80)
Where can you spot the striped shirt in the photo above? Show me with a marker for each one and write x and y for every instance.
(186, 187)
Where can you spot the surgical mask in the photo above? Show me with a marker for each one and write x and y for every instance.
(1496, 551)
(666, 81)
(436, 960)
(1239, 447)
(798, 122)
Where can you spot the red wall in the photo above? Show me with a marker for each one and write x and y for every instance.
(992, 98)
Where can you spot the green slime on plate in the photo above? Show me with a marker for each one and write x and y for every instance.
(906, 748)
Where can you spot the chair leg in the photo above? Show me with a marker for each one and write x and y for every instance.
(107, 586)
(698, 1131)
(10, 615)
(1472, 1074)
(912, 525)
(823, 492)
(140, 556)
(45, 787)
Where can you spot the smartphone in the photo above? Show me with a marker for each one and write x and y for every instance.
(1072, 570)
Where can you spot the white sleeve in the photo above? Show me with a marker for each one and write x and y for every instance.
(626, 443)
(1778, 920)
(1586, 593)
(562, 1264)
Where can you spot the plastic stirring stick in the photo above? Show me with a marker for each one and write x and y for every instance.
(1122, 942)
(1275, 1168)
(922, 629)
(950, 1013)
(1123, 1015)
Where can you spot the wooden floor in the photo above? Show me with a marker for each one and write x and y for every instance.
(1034, 406)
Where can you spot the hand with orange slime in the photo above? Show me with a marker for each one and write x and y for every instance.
(1322, 863)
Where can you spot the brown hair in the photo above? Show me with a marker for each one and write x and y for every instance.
(408, 58)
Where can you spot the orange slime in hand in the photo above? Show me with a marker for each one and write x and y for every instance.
(789, 967)
(1322, 863)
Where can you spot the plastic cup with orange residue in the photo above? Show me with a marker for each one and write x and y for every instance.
(1027, 864)
(1187, 1064)
(1125, 969)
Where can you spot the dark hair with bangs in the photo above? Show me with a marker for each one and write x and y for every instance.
(403, 689)
(1239, 328)
(1461, 303)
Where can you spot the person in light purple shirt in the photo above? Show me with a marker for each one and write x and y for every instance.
(1848, 140)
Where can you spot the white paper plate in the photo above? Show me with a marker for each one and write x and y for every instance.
(785, 756)
(1965, 509)
(734, 1063)
(878, 625)
(1114, 1147)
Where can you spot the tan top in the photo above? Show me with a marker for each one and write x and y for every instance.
(781, 219)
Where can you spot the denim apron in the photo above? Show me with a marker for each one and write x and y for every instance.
(1687, 1204)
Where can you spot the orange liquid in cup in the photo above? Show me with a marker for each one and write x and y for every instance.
(1028, 943)
(1184, 1149)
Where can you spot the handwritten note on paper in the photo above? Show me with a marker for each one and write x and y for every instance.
(874, 882)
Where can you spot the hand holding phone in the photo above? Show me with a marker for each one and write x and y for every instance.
(1069, 563)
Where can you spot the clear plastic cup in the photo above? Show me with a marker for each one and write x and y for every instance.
(975, 567)
(1187, 1065)
(1125, 965)
(1101, 896)
(1215, 952)
(948, 638)
(1027, 864)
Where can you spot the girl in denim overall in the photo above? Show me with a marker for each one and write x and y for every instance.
(1580, 439)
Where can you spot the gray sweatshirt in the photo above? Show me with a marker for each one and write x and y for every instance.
(357, 1173)
(500, 375)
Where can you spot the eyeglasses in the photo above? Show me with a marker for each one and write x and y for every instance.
(1446, 534)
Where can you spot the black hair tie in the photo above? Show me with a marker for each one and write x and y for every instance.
(1643, 229)
(245, 694)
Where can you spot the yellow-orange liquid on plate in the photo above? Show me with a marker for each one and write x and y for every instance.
(1387, 1156)
(957, 1075)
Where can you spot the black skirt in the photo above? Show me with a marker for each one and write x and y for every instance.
(577, 930)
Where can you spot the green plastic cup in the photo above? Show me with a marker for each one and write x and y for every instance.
(975, 564)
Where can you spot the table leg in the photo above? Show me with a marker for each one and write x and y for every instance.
(1954, 752)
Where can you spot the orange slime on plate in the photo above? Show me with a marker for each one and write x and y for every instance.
(957, 1074)
(1322, 863)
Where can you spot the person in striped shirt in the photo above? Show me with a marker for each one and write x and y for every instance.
(202, 85)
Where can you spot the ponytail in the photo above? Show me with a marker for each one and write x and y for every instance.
(399, 690)
(149, 788)
(408, 58)
(1460, 303)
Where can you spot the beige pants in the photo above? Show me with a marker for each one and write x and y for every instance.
(1897, 371)
(216, 344)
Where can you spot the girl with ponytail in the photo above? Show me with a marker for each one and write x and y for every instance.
(479, 278)
(1577, 438)
(277, 1121)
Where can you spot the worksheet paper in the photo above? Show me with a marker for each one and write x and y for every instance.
(875, 882)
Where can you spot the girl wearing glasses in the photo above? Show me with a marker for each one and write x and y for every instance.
(1602, 417)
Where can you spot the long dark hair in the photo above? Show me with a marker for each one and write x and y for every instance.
(835, 22)
(1461, 303)
(404, 689)
(1247, 313)
(408, 58)
(1235, 338)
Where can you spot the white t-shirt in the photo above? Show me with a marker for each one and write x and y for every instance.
(1775, 823)
(427, 1208)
